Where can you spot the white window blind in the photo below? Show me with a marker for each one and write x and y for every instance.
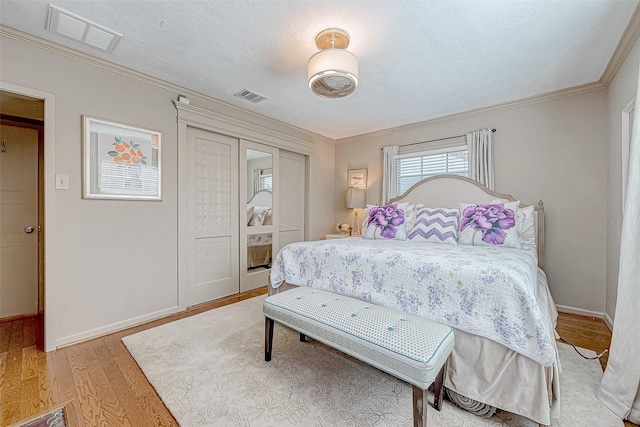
(414, 167)
(134, 179)
(266, 179)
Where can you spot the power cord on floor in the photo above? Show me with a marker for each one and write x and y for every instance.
(605, 351)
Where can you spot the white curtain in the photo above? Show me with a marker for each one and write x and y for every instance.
(480, 150)
(256, 180)
(389, 173)
(620, 387)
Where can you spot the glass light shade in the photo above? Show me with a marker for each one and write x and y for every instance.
(333, 73)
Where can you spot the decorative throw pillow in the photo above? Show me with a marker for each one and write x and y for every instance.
(435, 225)
(268, 217)
(386, 222)
(525, 226)
(489, 224)
(410, 215)
(259, 214)
(249, 213)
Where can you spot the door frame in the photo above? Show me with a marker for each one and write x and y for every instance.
(49, 236)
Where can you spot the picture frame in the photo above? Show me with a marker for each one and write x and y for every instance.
(120, 161)
(357, 178)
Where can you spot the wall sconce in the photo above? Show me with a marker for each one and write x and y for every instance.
(355, 199)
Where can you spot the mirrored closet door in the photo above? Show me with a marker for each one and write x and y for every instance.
(260, 196)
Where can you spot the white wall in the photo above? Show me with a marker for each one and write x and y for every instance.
(620, 92)
(116, 261)
(551, 150)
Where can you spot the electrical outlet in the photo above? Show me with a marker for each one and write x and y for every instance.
(62, 182)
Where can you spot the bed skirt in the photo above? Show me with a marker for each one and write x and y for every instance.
(489, 374)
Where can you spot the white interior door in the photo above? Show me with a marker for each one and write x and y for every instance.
(212, 218)
(260, 193)
(292, 197)
(18, 221)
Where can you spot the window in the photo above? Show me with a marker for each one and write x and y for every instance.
(265, 179)
(414, 167)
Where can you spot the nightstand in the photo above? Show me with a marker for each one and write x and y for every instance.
(341, 236)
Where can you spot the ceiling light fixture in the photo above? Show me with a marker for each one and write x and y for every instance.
(333, 72)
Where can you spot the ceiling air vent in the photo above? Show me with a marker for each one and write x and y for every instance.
(250, 96)
(77, 28)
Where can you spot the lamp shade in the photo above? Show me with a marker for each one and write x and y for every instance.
(355, 198)
(333, 73)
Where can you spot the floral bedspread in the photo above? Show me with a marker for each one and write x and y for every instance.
(486, 291)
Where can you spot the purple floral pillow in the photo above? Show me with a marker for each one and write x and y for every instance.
(386, 222)
(489, 225)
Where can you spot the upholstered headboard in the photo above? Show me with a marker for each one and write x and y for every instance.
(446, 191)
(262, 198)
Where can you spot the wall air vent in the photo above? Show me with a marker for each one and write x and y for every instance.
(77, 28)
(250, 96)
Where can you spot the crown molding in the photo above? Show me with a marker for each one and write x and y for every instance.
(207, 119)
(549, 96)
(59, 49)
(627, 41)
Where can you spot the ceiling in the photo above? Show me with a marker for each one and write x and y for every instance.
(418, 60)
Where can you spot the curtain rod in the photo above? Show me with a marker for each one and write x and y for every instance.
(434, 140)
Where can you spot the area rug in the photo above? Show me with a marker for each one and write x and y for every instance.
(209, 370)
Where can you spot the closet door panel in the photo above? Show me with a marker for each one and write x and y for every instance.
(292, 197)
(213, 216)
(259, 178)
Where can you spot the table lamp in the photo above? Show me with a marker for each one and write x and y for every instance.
(355, 199)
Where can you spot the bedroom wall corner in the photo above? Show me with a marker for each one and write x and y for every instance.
(552, 149)
(620, 92)
(116, 264)
(321, 173)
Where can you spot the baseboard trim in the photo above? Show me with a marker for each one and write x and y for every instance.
(608, 321)
(579, 311)
(113, 327)
(17, 317)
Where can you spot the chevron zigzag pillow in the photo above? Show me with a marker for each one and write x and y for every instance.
(437, 225)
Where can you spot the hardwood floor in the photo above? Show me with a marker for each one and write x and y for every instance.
(107, 388)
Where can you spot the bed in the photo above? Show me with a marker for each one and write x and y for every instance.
(505, 351)
(259, 213)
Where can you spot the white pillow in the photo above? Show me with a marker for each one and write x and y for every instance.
(268, 217)
(410, 215)
(259, 213)
(386, 222)
(526, 228)
(489, 224)
(438, 225)
(249, 214)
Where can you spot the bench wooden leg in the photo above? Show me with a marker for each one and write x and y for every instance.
(438, 392)
(420, 403)
(303, 337)
(268, 338)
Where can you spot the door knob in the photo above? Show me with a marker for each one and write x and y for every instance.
(29, 229)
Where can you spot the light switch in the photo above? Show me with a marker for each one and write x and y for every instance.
(62, 182)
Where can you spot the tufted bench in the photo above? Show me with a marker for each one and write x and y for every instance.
(406, 346)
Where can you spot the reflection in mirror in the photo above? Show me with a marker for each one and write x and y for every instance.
(259, 251)
(259, 172)
(259, 185)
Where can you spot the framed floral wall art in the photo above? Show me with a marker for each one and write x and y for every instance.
(120, 161)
